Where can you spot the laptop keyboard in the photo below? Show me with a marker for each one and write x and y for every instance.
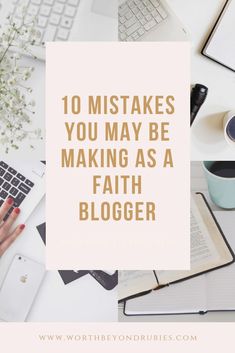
(54, 17)
(138, 17)
(13, 184)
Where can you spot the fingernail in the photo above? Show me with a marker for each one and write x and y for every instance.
(22, 226)
(10, 201)
(17, 210)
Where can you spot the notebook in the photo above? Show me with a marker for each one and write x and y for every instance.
(209, 251)
(213, 291)
(220, 45)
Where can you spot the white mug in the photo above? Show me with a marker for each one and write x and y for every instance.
(229, 119)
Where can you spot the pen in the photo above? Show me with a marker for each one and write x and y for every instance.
(198, 97)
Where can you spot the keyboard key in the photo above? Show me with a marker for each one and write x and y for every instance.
(8, 176)
(133, 29)
(58, 8)
(19, 199)
(128, 15)
(122, 20)
(148, 17)
(62, 34)
(155, 3)
(141, 31)
(3, 194)
(66, 22)
(45, 10)
(12, 171)
(70, 11)
(62, 1)
(54, 19)
(36, 2)
(28, 19)
(48, 2)
(145, 12)
(2, 171)
(130, 22)
(158, 18)
(162, 12)
(122, 29)
(131, 4)
(141, 6)
(146, 2)
(15, 182)
(122, 10)
(24, 188)
(1, 181)
(24, 3)
(122, 36)
(143, 21)
(49, 33)
(6, 186)
(1, 202)
(32, 10)
(3, 164)
(29, 183)
(135, 10)
(139, 15)
(13, 191)
(135, 36)
(42, 21)
(149, 25)
(73, 2)
(150, 8)
(20, 176)
(18, 12)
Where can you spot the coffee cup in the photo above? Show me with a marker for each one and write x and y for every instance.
(220, 176)
(229, 127)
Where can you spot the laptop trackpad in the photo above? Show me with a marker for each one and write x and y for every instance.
(106, 8)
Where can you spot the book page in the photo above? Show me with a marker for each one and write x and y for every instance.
(183, 297)
(205, 254)
(202, 246)
(133, 282)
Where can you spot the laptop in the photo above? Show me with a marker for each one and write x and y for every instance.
(25, 183)
(64, 20)
(149, 20)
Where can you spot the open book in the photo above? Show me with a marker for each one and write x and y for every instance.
(212, 291)
(209, 251)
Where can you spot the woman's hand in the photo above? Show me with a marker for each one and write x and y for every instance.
(7, 236)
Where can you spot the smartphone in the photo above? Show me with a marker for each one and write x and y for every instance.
(19, 288)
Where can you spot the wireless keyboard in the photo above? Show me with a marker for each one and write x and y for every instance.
(55, 18)
(136, 18)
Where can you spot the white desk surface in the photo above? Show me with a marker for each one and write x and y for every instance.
(81, 300)
(198, 183)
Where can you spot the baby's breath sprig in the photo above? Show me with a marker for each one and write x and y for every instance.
(16, 107)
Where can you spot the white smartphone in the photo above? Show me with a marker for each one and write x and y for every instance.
(20, 288)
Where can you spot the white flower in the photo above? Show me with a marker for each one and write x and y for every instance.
(15, 106)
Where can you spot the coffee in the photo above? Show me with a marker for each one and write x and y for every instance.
(230, 129)
(225, 169)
